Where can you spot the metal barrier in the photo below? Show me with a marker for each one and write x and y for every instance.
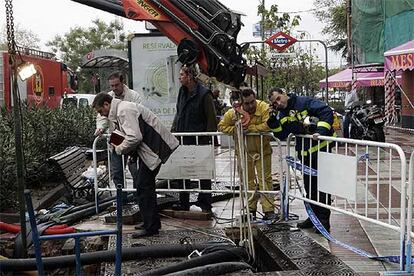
(362, 177)
(410, 194)
(191, 171)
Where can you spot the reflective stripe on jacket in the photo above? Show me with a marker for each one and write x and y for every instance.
(290, 120)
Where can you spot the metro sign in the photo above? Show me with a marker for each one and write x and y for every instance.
(280, 41)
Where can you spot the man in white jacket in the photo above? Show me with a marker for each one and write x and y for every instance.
(122, 92)
(351, 97)
(145, 138)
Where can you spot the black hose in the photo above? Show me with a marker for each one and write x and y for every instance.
(90, 204)
(222, 255)
(213, 269)
(134, 253)
(80, 214)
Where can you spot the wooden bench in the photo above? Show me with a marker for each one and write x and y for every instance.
(71, 163)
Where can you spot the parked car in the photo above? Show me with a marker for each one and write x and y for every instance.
(337, 96)
(78, 100)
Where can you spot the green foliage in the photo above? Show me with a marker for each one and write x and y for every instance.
(45, 133)
(22, 36)
(338, 106)
(333, 13)
(79, 41)
(299, 74)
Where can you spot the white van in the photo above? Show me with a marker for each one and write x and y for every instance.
(78, 100)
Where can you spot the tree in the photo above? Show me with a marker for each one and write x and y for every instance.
(22, 36)
(299, 74)
(333, 13)
(74, 45)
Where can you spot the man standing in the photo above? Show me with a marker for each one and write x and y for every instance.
(195, 113)
(122, 92)
(351, 97)
(148, 139)
(288, 116)
(258, 113)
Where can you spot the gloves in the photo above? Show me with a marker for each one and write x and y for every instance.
(273, 122)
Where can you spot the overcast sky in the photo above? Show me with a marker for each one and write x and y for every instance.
(48, 18)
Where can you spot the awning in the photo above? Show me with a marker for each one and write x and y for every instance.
(105, 58)
(363, 79)
(400, 58)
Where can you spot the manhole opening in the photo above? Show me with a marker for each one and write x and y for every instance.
(268, 257)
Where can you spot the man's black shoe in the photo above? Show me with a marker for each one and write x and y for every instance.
(139, 226)
(179, 207)
(306, 224)
(144, 233)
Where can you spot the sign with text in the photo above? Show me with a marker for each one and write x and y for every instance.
(280, 41)
(275, 55)
(155, 72)
(189, 162)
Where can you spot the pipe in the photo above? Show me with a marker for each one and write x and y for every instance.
(134, 253)
(222, 255)
(213, 269)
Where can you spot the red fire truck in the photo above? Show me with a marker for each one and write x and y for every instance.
(46, 87)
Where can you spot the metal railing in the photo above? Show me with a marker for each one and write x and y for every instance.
(374, 174)
(410, 195)
(226, 152)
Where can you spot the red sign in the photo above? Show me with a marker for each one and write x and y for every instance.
(280, 41)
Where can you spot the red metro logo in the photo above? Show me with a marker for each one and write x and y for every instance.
(280, 41)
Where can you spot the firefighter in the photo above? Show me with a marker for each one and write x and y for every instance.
(304, 115)
(257, 113)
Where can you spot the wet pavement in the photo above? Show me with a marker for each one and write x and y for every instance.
(358, 233)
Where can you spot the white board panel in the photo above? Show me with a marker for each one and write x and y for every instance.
(337, 174)
(189, 162)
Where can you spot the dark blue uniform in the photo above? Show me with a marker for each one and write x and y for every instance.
(290, 120)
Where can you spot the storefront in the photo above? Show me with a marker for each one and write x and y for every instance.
(400, 60)
(362, 79)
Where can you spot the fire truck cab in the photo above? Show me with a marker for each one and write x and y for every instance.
(46, 87)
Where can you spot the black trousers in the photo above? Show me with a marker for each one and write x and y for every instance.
(311, 187)
(204, 199)
(144, 181)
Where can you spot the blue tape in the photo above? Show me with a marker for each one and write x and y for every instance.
(364, 157)
(327, 235)
(297, 165)
(309, 171)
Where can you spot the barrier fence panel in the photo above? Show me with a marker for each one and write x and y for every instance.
(199, 158)
(410, 204)
(365, 179)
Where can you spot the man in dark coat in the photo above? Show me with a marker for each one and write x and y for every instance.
(195, 113)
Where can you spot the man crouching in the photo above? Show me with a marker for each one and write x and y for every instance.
(148, 139)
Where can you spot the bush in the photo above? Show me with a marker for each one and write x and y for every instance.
(338, 106)
(45, 133)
